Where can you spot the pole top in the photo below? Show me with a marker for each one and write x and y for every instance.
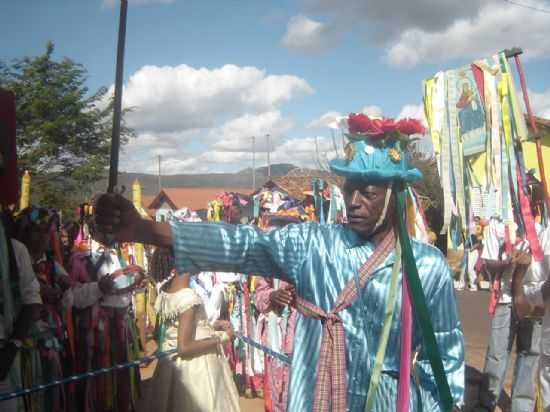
(513, 52)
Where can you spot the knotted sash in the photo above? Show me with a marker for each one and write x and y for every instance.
(331, 384)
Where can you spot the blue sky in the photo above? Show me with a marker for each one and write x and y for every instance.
(204, 76)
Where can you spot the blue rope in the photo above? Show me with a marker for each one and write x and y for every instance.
(75, 378)
(270, 352)
(23, 392)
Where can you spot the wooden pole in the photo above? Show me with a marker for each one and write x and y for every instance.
(115, 138)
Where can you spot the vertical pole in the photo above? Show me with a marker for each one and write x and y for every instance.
(253, 163)
(268, 157)
(115, 138)
(159, 182)
(533, 125)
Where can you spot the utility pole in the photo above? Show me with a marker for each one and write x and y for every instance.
(268, 159)
(160, 185)
(253, 163)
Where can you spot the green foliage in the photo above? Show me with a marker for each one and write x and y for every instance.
(63, 131)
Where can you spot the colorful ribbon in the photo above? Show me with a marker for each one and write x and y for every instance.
(420, 308)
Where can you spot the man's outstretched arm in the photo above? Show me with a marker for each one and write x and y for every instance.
(202, 247)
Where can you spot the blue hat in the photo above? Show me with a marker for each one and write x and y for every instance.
(377, 150)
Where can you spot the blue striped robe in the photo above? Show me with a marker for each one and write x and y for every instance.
(320, 260)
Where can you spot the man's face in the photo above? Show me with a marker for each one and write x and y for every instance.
(365, 204)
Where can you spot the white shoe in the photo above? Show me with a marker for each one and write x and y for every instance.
(473, 288)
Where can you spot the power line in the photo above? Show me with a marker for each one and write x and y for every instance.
(528, 6)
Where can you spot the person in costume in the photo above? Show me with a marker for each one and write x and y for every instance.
(531, 290)
(105, 329)
(198, 377)
(468, 272)
(355, 334)
(21, 304)
(273, 298)
(36, 228)
(506, 326)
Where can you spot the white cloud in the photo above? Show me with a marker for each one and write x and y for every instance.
(385, 18)
(373, 111)
(413, 111)
(304, 153)
(115, 3)
(496, 27)
(197, 117)
(427, 31)
(540, 103)
(140, 154)
(324, 120)
(168, 99)
(304, 33)
(236, 135)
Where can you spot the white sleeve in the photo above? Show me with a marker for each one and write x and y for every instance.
(85, 294)
(538, 272)
(28, 284)
(493, 241)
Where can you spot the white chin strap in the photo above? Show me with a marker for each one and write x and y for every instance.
(385, 209)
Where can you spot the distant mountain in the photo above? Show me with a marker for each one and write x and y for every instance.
(243, 178)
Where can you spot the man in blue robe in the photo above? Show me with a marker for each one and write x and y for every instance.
(322, 261)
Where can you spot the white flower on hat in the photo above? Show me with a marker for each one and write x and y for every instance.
(369, 149)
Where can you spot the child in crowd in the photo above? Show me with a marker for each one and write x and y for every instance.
(198, 377)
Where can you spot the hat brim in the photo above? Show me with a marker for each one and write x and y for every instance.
(341, 168)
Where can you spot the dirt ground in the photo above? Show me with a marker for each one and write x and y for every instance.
(476, 324)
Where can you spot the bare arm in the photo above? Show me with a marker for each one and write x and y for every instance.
(497, 265)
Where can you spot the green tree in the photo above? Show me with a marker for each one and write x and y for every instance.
(63, 131)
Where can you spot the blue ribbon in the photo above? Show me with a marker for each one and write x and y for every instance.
(75, 378)
(270, 352)
(27, 391)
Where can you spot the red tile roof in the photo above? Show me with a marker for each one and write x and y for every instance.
(295, 186)
(195, 198)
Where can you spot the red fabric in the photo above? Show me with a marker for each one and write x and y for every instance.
(529, 221)
(478, 77)
(495, 295)
(8, 179)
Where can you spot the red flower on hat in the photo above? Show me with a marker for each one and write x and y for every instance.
(358, 123)
(410, 126)
(385, 124)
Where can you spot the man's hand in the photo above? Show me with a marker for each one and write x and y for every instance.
(283, 297)
(117, 216)
(106, 285)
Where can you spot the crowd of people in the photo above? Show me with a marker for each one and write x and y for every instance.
(337, 299)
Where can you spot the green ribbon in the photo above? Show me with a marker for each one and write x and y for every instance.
(383, 342)
(420, 308)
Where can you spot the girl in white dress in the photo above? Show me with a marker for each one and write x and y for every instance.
(198, 377)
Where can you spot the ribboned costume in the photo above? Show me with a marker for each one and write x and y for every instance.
(320, 260)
